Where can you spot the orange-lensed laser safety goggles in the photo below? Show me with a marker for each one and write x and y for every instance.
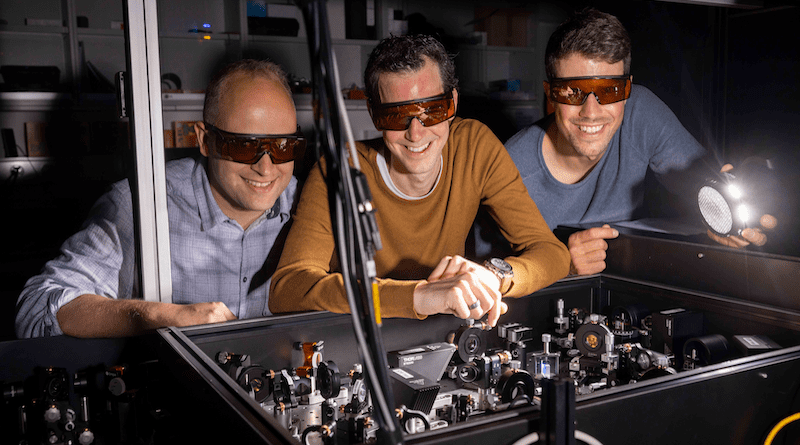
(249, 148)
(575, 90)
(429, 111)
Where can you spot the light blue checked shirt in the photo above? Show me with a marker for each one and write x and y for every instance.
(213, 258)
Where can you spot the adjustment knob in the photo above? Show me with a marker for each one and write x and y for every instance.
(117, 387)
(52, 414)
(86, 437)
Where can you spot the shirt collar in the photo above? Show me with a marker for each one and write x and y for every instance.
(276, 208)
(209, 211)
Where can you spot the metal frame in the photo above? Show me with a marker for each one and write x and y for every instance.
(74, 65)
(144, 81)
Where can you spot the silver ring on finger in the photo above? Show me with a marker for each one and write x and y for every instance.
(474, 305)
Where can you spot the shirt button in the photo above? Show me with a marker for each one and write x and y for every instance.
(244, 280)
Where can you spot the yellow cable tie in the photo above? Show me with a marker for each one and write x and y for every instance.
(376, 301)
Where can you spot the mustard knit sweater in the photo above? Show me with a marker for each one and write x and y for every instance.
(417, 234)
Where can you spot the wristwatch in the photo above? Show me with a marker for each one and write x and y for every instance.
(503, 271)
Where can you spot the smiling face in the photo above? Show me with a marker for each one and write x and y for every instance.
(254, 105)
(415, 152)
(586, 130)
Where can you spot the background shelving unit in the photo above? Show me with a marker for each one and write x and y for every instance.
(90, 33)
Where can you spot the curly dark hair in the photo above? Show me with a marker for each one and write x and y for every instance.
(592, 34)
(397, 54)
(221, 80)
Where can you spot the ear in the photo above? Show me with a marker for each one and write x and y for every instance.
(371, 118)
(546, 87)
(455, 100)
(629, 86)
(549, 107)
(202, 135)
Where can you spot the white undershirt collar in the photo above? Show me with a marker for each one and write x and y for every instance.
(384, 169)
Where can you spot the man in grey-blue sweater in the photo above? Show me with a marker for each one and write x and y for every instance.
(586, 163)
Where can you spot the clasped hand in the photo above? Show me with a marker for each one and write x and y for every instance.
(587, 249)
(462, 288)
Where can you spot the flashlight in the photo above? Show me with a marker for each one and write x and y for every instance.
(736, 199)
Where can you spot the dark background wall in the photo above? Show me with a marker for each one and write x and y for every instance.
(762, 107)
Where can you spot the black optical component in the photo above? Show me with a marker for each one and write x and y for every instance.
(470, 342)
(516, 385)
(590, 339)
(706, 350)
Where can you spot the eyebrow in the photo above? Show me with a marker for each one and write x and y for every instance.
(415, 101)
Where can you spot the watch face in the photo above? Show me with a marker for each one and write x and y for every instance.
(501, 264)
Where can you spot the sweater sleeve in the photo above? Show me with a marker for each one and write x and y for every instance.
(678, 160)
(539, 257)
(308, 275)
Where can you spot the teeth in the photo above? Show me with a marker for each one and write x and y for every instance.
(591, 130)
(418, 149)
(258, 184)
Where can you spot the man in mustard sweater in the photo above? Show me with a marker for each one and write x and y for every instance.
(428, 175)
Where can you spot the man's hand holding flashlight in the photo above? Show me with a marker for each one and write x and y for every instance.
(750, 235)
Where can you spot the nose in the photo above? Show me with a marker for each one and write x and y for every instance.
(415, 130)
(591, 105)
(264, 165)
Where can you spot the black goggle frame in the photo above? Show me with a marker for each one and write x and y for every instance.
(249, 148)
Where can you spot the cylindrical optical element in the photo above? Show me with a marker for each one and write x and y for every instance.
(706, 350)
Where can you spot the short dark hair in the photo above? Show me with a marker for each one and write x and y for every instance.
(398, 54)
(221, 80)
(592, 34)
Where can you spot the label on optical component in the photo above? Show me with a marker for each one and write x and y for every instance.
(750, 341)
(407, 361)
(402, 373)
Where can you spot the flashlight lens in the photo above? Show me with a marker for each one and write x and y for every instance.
(715, 210)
